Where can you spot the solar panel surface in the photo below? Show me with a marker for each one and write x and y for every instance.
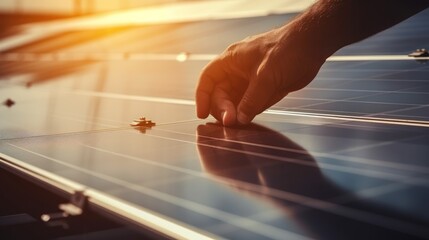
(288, 176)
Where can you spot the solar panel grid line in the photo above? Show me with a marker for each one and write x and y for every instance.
(390, 121)
(364, 67)
(359, 215)
(404, 114)
(371, 192)
(373, 78)
(357, 70)
(349, 100)
(155, 183)
(381, 80)
(411, 120)
(146, 161)
(372, 145)
(407, 116)
(375, 162)
(342, 79)
(358, 90)
(356, 98)
(367, 118)
(399, 110)
(365, 86)
(341, 114)
(407, 107)
(397, 98)
(279, 110)
(421, 89)
(334, 154)
(351, 124)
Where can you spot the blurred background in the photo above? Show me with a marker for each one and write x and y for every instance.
(71, 7)
(15, 12)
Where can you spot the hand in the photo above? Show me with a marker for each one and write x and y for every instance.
(254, 74)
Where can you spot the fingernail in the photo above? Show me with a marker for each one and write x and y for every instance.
(223, 116)
(243, 118)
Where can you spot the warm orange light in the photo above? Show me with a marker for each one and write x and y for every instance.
(183, 56)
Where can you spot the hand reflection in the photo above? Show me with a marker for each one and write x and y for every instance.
(257, 155)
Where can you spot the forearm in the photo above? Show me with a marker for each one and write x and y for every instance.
(332, 24)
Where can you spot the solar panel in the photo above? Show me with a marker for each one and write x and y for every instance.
(387, 89)
(345, 157)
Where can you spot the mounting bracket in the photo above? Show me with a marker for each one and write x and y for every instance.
(73, 208)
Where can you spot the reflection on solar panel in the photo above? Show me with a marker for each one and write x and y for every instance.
(345, 158)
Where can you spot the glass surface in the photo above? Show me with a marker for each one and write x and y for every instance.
(264, 180)
(284, 177)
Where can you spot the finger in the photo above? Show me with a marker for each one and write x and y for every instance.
(259, 94)
(212, 74)
(222, 106)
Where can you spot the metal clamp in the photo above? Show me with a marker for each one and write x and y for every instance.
(74, 208)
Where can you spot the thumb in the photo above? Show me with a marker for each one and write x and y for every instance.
(260, 92)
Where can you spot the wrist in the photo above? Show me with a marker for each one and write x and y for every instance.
(306, 41)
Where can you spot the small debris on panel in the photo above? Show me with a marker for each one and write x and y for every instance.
(142, 124)
(9, 102)
(421, 52)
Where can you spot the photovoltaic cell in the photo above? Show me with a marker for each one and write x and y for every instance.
(288, 176)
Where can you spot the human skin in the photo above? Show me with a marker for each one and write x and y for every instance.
(257, 72)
